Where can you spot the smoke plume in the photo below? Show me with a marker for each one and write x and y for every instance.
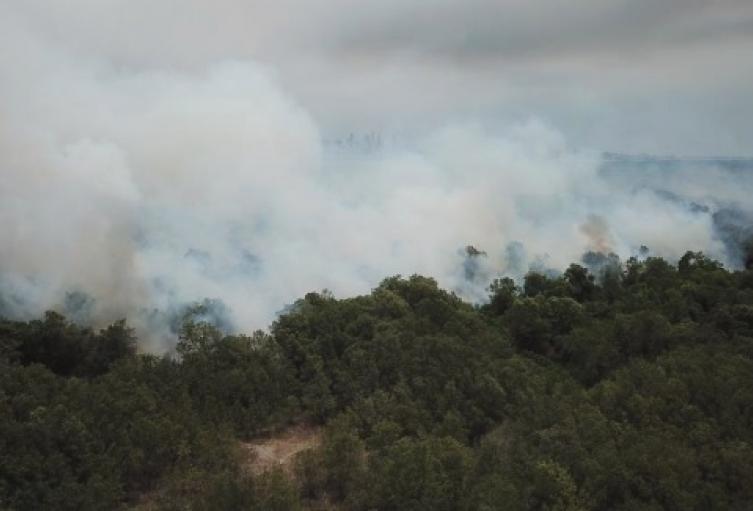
(143, 190)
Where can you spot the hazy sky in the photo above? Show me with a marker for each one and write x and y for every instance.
(660, 76)
(154, 153)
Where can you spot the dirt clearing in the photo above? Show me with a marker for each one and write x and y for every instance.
(279, 450)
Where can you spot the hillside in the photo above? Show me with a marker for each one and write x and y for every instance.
(624, 385)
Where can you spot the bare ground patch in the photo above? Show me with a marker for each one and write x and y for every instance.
(279, 449)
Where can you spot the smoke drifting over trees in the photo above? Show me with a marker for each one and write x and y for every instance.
(137, 186)
(466, 255)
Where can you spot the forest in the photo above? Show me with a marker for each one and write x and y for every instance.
(614, 385)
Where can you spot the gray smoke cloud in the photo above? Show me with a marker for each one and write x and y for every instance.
(153, 155)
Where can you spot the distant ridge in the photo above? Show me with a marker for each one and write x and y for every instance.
(651, 158)
(621, 162)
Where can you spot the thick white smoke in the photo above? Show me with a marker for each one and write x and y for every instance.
(152, 188)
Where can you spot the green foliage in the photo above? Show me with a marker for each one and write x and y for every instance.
(271, 491)
(503, 293)
(65, 348)
(417, 474)
(627, 388)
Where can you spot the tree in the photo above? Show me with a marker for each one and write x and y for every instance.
(502, 295)
(582, 286)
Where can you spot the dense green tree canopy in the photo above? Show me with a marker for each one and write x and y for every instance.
(613, 386)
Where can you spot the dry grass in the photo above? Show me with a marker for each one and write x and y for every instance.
(279, 450)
